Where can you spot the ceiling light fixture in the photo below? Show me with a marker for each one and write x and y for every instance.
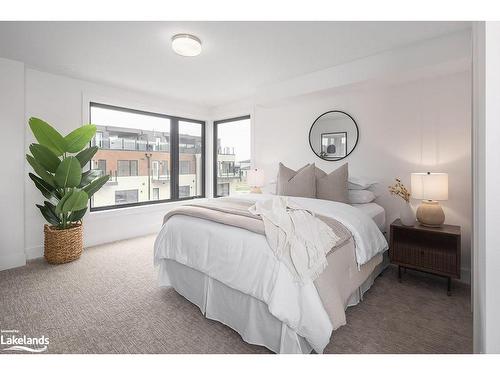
(186, 45)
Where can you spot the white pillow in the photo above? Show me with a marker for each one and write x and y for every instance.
(360, 183)
(360, 196)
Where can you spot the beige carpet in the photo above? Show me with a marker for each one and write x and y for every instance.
(108, 302)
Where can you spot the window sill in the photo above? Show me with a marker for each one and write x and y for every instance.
(139, 210)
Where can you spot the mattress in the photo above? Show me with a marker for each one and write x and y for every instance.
(375, 211)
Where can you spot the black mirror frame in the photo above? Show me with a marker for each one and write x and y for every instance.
(357, 133)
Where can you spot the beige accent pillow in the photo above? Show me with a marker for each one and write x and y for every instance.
(333, 186)
(301, 183)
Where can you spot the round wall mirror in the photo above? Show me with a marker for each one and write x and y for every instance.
(333, 135)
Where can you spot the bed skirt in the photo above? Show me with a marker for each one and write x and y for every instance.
(245, 314)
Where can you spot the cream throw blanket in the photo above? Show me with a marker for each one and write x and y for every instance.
(299, 239)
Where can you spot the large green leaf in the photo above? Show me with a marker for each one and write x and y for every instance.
(59, 207)
(69, 173)
(77, 215)
(51, 210)
(95, 185)
(47, 190)
(79, 138)
(54, 220)
(45, 157)
(86, 155)
(39, 170)
(77, 201)
(47, 136)
(51, 207)
(89, 176)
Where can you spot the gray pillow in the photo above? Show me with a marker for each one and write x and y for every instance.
(333, 186)
(301, 183)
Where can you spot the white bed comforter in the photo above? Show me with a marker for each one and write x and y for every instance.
(252, 268)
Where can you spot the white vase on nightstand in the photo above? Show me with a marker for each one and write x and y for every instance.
(406, 214)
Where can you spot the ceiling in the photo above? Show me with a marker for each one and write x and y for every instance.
(237, 57)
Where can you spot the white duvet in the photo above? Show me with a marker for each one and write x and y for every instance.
(244, 261)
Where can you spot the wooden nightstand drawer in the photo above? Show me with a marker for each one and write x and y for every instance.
(431, 259)
(434, 250)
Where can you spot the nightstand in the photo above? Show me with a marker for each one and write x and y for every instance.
(427, 249)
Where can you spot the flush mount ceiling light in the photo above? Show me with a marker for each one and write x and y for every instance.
(186, 45)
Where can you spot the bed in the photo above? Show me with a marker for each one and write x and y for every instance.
(231, 274)
(375, 211)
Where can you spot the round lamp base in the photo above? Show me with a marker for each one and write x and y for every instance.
(430, 213)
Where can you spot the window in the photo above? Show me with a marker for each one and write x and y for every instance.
(223, 189)
(126, 196)
(184, 166)
(99, 165)
(155, 169)
(98, 139)
(231, 156)
(184, 191)
(127, 168)
(160, 170)
(156, 194)
(151, 157)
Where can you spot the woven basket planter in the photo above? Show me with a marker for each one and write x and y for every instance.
(63, 245)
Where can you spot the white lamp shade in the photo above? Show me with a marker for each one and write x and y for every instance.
(431, 186)
(255, 177)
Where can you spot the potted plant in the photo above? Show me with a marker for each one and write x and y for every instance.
(58, 164)
(406, 213)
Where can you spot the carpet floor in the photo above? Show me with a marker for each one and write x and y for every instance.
(109, 302)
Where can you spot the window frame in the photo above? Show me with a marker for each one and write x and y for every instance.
(215, 166)
(174, 156)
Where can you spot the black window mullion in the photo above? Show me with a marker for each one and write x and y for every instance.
(203, 155)
(215, 161)
(174, 158)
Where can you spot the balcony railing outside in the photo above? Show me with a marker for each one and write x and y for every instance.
(114, 176)
(228, 174)
(113, 179)
(225, 151)
(130, 144)
(141, 145)
(161, 177)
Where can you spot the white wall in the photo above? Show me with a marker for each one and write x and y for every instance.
(413, 109)
(492, 174)
(479, 178)
(445, 53)
(486, 183)
(12, 156)
(411, 127)
(63, 102)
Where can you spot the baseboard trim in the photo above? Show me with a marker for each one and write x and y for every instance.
(12, 260)
(34, 252)
(465, 276)
(37, 252)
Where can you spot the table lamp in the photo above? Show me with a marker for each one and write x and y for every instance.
(431, 188)
(255, 179)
